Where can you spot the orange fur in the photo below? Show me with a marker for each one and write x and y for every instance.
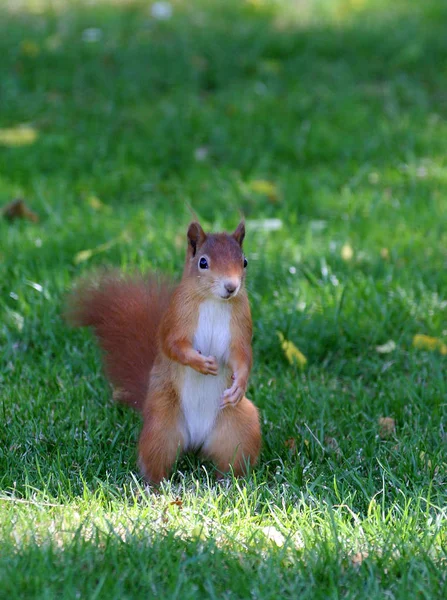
(125, 313)
(148, 332)
(161, 439)
(236, 440)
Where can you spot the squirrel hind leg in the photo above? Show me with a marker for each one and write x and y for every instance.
(235, 441)
(161, 442)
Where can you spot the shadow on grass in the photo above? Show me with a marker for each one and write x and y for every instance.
(120, 565)
(154, 112)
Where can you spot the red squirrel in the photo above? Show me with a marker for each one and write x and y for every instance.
(181, 355)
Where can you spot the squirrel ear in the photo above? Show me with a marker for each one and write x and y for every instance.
(239, 234)
(196, 237)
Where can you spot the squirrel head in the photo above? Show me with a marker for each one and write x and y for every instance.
(216, 261)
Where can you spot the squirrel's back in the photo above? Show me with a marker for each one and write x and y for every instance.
(125, 313)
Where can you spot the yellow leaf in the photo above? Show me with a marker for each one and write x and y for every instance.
(291, 352)
(264, 188)
(425, 342)
(347, 252)
(29, 48)
(22, 135)
(95, 203)
(82, 256)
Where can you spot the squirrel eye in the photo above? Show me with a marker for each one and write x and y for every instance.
(245, 262)
(203, 263)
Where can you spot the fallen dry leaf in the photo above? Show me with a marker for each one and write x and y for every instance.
(425, 342)
(264, 188)
(291, 352)
(164, 515)
(84, 255)
(95, 203)
(177, 502)
(387, 427)
(347, 252)
(22, 135)
(16, 319)
(358, 558)
(273, 535)
(17, 209)
(386, 348)
(291, 444)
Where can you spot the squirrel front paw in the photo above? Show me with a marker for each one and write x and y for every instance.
(234, 394)
(207, 365)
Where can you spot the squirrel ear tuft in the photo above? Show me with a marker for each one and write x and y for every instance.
(239, 234)
(196, 236)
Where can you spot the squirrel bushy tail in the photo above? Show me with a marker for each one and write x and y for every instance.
(125, 313)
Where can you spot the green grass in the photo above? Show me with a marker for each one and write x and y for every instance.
(340, 106)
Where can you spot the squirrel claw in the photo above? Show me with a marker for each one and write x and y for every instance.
(210, 366)
(232, 395)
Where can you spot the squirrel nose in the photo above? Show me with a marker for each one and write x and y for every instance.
(230, 287)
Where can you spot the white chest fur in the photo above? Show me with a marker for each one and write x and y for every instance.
(200, 394)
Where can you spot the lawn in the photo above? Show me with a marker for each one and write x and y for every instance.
(325, 124)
